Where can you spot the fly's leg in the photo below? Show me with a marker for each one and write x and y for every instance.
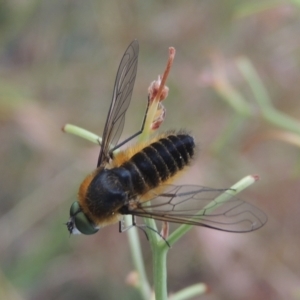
(122, 227)
(142, 227)
(134, 135)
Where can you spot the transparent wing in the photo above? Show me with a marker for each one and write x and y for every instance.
(202, 206)
(120, 101)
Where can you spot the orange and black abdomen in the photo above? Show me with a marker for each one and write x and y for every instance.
(159, 161)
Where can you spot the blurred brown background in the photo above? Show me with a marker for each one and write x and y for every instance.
(58, 61)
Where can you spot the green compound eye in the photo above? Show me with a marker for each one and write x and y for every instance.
(75, 208)
(82, 223)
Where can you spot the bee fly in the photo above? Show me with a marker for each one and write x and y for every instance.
(137, 181)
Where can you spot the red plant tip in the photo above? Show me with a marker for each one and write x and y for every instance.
(155, 88)
(172, 52)
(208, 289)
(159, 117)
(256, 177)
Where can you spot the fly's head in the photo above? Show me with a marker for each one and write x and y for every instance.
(79, 222)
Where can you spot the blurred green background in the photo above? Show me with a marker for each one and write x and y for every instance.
(234, 85)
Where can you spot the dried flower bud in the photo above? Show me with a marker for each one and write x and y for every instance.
(154, 88)
(159, 117)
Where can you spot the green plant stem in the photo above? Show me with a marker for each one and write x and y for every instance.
(83, 133)
(269, 113)
(189, 292)
(160, 270)
(137, 258)
(232, 96)
(144, 136)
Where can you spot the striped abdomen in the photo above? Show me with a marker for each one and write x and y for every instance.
(159, 161)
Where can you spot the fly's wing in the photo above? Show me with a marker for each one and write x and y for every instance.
(120, 101)
(202, 206)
